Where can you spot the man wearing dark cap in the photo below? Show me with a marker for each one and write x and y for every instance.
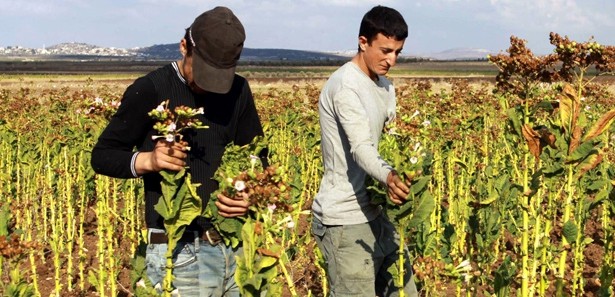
(203, 78)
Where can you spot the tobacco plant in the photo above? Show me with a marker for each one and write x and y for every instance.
(179, 204)
(412, 162)
(575, 144)
(261, 230)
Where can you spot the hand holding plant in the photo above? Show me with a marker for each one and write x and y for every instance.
(241, 172)
(260, 231)
(179, 204)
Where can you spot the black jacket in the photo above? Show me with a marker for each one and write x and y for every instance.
(231, 117)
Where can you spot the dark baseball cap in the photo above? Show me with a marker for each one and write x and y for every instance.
(217, 36)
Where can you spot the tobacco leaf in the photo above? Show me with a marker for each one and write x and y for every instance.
(568, 102)
(602, 124)
(533, 140)
(581, 152)
(589, 163)
(575, 139)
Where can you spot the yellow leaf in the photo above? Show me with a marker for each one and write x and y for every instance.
(602, 124)
(568, 102)
(589, 163)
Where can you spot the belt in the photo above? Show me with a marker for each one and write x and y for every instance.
(210, 236)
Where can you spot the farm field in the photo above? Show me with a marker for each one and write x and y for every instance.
(511, 172)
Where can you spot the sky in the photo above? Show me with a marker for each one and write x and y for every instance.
(318, 25)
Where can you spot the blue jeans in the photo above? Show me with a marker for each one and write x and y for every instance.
(201, 270)
(358, 256)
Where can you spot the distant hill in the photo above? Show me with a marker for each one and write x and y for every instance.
(171, 52)
(167, 52)
(461, 54)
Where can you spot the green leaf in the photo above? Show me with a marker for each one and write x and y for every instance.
(492, 197)
(394, 271)
(266, 262)
(423, 211)
(514, 120)
(504, 277)
(419, 185)
(598, 185)
(253, 285)
(187, 203)
(5, 218)
(587, 241)
(581, 152)
(570, 231)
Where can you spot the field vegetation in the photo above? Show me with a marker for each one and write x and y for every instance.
(510, 165)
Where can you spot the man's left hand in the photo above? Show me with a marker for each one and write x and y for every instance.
(233, 206)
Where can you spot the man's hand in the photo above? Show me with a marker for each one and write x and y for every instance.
(397, 189)
(233, 207)
(166, 155)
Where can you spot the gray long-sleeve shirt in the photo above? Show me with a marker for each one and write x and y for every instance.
(353, 110)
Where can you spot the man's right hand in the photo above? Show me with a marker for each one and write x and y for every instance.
(396, 188)
(166, 155)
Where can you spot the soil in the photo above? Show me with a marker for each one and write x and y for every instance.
(303, 268)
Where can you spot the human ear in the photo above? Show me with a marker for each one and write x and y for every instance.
(362, 43)
(182, 47)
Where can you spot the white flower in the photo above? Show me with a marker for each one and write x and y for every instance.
(169, 137)
(464, 266)
(171, 127)
(417, 146)
(587, 107)
(416, 113)
(200, 111)
(253, 160)
(160, 108)
(271, 207)
(414, 160)
(392, 131)
(426, 123)
(98, 101)
(240, 185)
(290, 225)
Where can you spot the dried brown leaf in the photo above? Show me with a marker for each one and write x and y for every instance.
(270, 253)
(602, 124)
(589, 163)
(533, 140)
(575, 139)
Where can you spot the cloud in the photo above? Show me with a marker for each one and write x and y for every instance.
(549, 13)
(353, 3)
(435, 25)
(33, 8)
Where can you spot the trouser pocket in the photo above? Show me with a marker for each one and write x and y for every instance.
(185, 257)
(318, 229)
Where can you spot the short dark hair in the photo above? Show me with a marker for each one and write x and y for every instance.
(387, 21)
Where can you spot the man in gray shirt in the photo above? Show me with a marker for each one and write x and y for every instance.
(357, 241)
